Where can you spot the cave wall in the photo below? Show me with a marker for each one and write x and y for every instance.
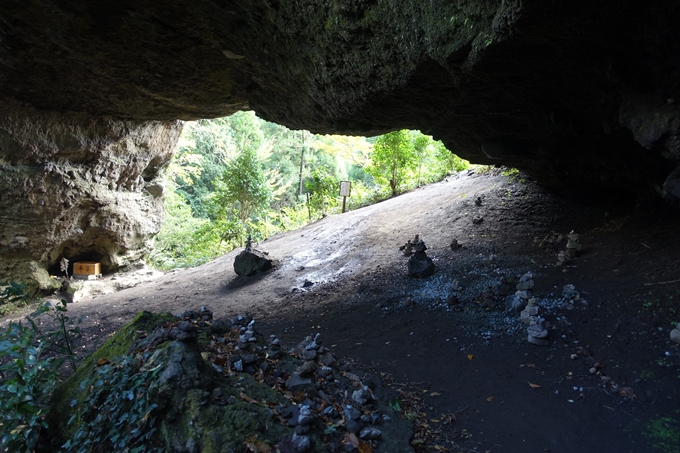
(79, 187)
(583, 95)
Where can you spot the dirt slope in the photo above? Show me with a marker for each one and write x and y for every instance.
(471, 361)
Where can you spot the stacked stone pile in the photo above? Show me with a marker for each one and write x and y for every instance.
(552, 243)
(571, 297)
(536, 329)
(409, 247)
(419, 264)
(324, 392)
(571, 251)
(516, 302)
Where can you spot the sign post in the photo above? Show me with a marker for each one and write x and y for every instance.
(345, 191)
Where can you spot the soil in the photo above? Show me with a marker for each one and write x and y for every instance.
(481, 385)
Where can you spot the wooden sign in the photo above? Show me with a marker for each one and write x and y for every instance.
(345, 188)
(345, 191)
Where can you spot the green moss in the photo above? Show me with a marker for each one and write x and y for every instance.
(664, 434)
(118, 345)
(262, 393)
(217, 428)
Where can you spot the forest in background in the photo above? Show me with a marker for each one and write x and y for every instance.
(240, 175)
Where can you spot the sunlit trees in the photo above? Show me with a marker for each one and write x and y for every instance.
(239, 175)
(393, 159)
(323, 192)
(242, 191)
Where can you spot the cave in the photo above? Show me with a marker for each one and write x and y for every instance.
(582, 96)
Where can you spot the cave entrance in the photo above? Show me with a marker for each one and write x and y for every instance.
(90, 255)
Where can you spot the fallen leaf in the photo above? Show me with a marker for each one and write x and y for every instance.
(351, 438)
(365, 447)
(102, 361)
(245, 397)
(435, 394)
(470, 356)
(257, 446)
(534, 386)
(489, 399)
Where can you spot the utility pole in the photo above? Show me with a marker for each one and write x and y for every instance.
(302, 163)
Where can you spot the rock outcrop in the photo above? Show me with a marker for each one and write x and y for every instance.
(77, 187)
(195, 384)
(584, 97)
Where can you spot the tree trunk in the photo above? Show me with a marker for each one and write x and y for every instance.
(302, 164)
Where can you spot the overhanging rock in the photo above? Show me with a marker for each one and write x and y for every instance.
(583, 96)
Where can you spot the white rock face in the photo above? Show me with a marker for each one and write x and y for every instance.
(78, 187)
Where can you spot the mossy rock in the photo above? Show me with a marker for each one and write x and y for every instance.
(173, 400)
(118, 345)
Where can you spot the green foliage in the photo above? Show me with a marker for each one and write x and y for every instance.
(242, 191)
(13, 296)
(512, 174)
(58, 339)
(12, 292)
(323, 189)
(116, 414)
(184, 240)
(363, 195)
(393, 159)
(240, 175)
(28, 378)
(664, 434)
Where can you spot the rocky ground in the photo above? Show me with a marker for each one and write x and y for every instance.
(589, 366)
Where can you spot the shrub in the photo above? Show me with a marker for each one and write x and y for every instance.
(28, 378)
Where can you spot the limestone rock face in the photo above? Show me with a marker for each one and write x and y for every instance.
(78, 187)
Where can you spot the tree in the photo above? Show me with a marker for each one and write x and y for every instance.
(393, 159)
(322, 188)
(243, 190)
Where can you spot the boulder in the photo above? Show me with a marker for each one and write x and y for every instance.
(165, 390)
(251, 262)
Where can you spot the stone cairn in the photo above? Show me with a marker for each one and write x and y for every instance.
(516, 302)
(331, 395)
(420, 265)
(552, 242)
(409, 247)
(573, 249)
(536, 331)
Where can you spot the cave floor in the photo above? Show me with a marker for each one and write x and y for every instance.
(478, 385)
